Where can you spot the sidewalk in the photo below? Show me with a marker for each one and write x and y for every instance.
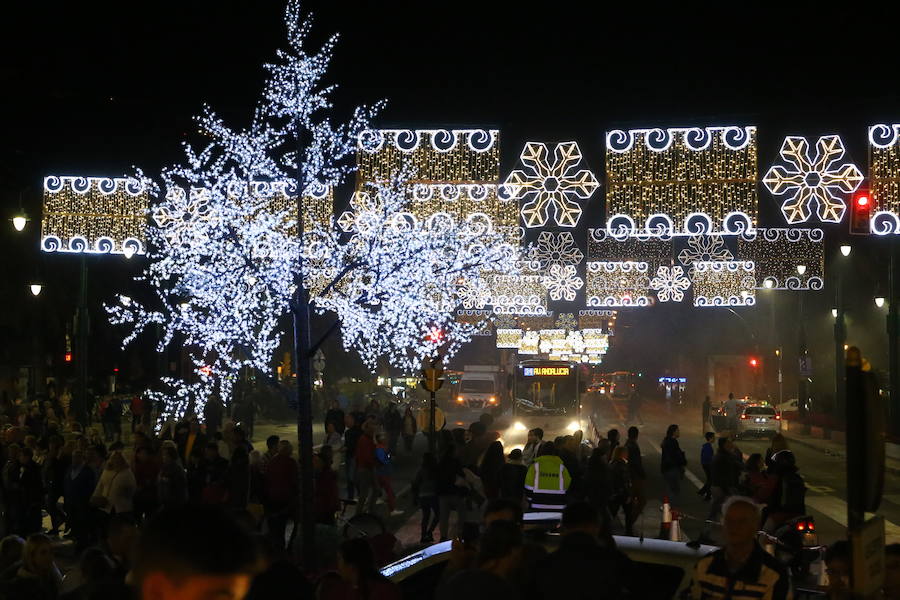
(837, 448)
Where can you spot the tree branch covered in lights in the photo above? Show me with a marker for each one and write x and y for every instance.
(223, 252)
(396, 283)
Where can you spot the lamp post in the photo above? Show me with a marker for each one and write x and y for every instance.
(893, 330)
(840, 334)
(802, 380)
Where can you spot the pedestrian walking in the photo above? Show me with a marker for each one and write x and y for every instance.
(512, 477)
(333, 439)
(706, 458)
(491, 465)
(335, 415)
(393, 426)
(634, 407)
(424, 493)
(779, 443)
(740, 569)
(621, 497)
(547, 481)
(351, 437)
(384, 470)
(613, 436)
(731, 409)
(450, 489)
(637, 472)
(724, 476)
(409, 429)
(366, 483)
(532, 446)
(672, 464)
(598, 480)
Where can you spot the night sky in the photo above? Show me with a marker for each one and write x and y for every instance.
(94, 88)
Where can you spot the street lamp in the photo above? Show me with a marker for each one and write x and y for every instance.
(834, 313)
(768, 283)
(879, 301)
(19, 221)
(801, 269)
(845, 249)
(36, 289)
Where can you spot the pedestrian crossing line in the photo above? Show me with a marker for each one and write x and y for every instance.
(687, 472)
(836, 509)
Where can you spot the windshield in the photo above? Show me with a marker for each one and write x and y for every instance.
(477, 386)
(760, 410)
(547, 387)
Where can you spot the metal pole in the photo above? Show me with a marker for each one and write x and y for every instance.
(304, 376)
(802, 395)
(432, 436)
(840, 337)
(82, 328)
(892, 332)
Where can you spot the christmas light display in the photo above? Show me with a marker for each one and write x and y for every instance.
(518, 294)
(884, 177)
(545, 185)
(777, 252)
(509, 338)
(604, 245)
(704, 248)
(479, 318)
(682, 181)
(813, 181)
(563, 283)
(670, 283)
(724, 283)
(566, 321)
(603, 320)
(555, 249)
(94, 214)
(530, 343)
(622, 283)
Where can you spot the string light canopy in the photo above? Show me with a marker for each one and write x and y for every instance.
(813, 181)
(724, 283)
(682, 181)
(518, 294)
(779, 253)
(547, 186)
(100, 215)
(604, 245)
(884, 177)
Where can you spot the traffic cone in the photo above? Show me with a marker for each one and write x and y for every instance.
(665, 525)
(675, 528)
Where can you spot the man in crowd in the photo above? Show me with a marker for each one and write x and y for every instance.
(740, 569)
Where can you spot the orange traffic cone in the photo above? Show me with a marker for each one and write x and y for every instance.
(665, 525)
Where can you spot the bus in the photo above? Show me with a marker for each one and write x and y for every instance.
(546, 394)
(621, 383)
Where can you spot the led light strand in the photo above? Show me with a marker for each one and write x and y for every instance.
(777, 252)
(724, 283)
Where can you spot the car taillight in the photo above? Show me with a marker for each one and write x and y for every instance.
(743, 416)
(801, 526)
(777, 416)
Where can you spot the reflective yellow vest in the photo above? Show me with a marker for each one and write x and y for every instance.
(546, 484)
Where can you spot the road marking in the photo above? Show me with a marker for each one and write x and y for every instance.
(687, 472)
(836, 509)
(821, 489)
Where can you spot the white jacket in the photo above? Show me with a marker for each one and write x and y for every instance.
(118, 487)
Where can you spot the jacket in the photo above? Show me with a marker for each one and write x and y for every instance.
(118, 487)
(725, 471)
(635, 460)
(562, 573)
(365, 452)
(672, 455)
(546, 484)
(762, 576)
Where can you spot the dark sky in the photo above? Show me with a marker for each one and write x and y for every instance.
(94, 87)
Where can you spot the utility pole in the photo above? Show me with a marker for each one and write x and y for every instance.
(840, 337)
(82, 327)
(892, 331)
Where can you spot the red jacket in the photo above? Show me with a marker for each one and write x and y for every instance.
(365, 452)
(281, 484)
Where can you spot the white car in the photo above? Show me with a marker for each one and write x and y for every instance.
(759, 421)
(791, 405)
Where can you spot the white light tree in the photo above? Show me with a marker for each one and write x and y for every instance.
(224, 254)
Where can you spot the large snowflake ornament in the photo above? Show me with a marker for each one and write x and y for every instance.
(473, 293)
(704, 248)
(670, 284)
(556, 249)
(813, 180)
(562, 282)
(548, 184)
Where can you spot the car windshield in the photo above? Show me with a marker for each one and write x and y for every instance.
(477, 386)
(762, 411)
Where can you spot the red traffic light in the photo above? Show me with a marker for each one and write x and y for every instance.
(754, 362)
(861, 212)
(862, 201)
(68, 357)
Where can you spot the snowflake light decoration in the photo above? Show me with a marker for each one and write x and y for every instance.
(563, 283)
(813, 180)
(473, 293)
(670, 284)
(549, 184)
(566, 321)
(704, 248)
(556, 249)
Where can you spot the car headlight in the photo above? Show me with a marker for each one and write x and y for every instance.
(492, 400)
(574, 426)
(519, 426)
(460, 399)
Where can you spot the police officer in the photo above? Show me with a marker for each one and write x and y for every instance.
(547, 481)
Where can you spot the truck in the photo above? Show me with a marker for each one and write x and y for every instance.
(479, 388)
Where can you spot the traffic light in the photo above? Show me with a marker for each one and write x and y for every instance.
(861, 207)
(754, 362)
(68, 357)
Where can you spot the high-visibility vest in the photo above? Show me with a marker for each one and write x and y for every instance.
(546, 484)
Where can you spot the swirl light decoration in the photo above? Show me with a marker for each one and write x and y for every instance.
(611, 283)
(777, 252)
(99, 215)
(724, 283)
(682, 181)
(813, 182)
(592, 318)
(547, 185)
(604, 245)
(884, 177)
(518, 294)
